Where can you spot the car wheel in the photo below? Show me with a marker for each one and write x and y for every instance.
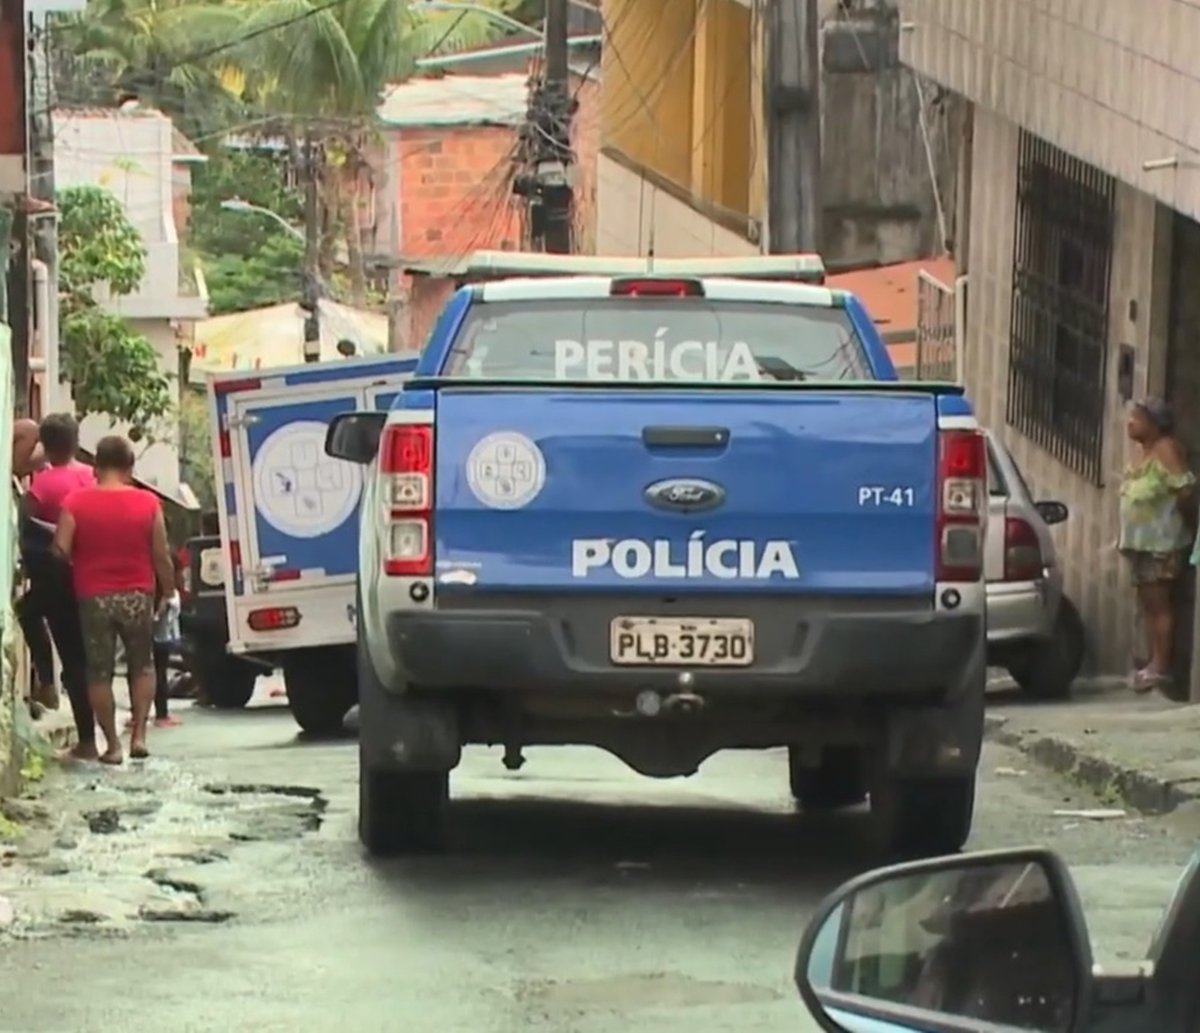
(1048, 669)
(401, 812)
(838, 781)
(321, 688)
(923, 817)
(225, 682)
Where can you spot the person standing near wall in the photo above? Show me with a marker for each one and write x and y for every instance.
(27, 458)
(1157, 499)
(116, 539)
(52, 595)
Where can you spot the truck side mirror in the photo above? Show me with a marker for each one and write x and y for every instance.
(993, 939)
(354, 436)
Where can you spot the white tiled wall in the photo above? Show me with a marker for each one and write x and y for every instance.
(1114, 82)
(1096, 578)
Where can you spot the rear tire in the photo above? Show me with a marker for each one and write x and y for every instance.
(1048, 669)
(923, 817)
(401, 812)
(838, 781)
(321, 688)
(225, 681)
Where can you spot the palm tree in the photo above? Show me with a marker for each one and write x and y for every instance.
(167, 53)
(325, 66)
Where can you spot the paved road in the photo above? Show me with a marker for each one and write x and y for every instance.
(219, 887)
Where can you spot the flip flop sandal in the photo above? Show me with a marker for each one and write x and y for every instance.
(1147, 681)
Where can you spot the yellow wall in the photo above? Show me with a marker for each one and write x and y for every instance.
(680, 96)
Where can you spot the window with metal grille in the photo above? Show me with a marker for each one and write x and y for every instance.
(1058, 352)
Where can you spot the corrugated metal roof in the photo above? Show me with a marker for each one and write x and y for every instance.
(457, 100)
(273, 336)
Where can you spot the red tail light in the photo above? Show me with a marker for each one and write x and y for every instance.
(275, 618)
(1022, 551)
(962, 505)
(657, 289)
(406, 464)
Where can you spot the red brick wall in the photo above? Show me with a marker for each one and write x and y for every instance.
(454, 191)
(454, 196)
(426, 296)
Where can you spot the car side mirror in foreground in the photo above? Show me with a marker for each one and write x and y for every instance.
(1052, 512)
(957, 943)
(354, 436)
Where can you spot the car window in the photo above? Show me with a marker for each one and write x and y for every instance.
(629, 339)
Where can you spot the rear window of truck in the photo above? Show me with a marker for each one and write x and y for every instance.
(632, 339)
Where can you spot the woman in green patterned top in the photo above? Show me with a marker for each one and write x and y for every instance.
(1156, 501)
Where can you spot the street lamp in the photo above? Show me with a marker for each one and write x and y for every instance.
(236, 204)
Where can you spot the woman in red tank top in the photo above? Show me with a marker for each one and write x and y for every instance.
(116, 539)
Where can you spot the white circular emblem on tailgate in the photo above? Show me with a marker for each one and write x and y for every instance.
(506, 470)
(298, 489)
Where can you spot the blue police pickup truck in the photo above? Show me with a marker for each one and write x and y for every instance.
(667, 509)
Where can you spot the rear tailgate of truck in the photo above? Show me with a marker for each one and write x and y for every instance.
(812, 492)
(673, 474)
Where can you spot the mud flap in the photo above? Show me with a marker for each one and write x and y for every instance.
(940, 741)
(406, 733)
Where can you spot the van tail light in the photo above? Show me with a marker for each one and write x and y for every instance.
(273, 618)
(406, 465)
(962, 497)
(1023, 559)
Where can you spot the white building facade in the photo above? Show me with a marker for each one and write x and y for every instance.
(139, 157)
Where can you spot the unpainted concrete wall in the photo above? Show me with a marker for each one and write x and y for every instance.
(879, 192)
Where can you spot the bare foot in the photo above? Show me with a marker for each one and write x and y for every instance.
(138, 751)
(112, 756)
(82, 751)
(167, 722)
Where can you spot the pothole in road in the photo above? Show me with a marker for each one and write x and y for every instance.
(120, 856)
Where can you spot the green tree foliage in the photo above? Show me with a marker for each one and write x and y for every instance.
(249, 259)
(154, 50)
(112, 369)
(195, 447)
(287, 69)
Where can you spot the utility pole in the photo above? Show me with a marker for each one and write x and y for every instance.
(793, 105)
(311, 302)
(44, 230)
(546, 181)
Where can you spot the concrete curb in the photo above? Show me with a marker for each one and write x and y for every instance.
(1111, 780)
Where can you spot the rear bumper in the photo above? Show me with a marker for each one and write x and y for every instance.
(803, 647)
(1021, 610)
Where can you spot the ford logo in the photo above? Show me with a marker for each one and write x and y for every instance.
(685, 495)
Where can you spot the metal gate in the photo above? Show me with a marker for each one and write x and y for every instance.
(937, 329)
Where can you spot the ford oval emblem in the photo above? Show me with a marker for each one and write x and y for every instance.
(685, 495)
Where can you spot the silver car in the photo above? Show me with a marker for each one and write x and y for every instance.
(1034, 630)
